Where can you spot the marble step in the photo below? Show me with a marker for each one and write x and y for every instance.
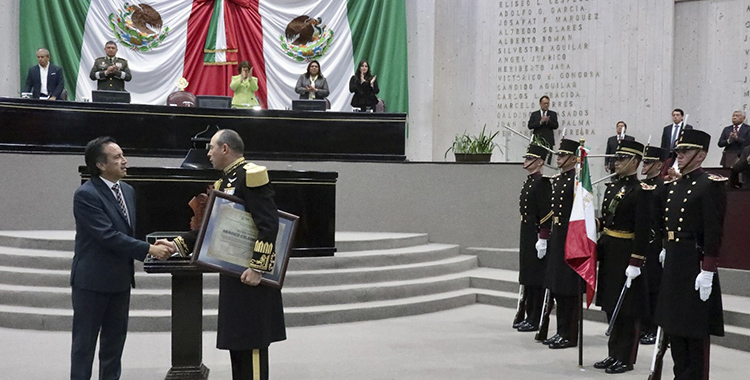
(323, 277)
(160, 299)
(159, 320)
(56, 240)
(733, 281)
(347, 241)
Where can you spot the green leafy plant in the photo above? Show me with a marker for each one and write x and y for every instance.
(468, 144)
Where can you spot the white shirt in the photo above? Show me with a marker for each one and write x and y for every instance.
(43, 76)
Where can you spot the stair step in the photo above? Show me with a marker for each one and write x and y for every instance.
(347, 241)
(375, 258)
(58, 240)
(35, 258)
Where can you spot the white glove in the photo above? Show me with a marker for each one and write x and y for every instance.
(703, 283)
(541, 248)
(662, 256)
(631, 272)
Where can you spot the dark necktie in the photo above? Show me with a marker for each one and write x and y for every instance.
(736, 128)
(118, 196)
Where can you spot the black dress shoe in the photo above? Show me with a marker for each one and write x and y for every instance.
(619, 367)
(604, 364)
(563, 343)
(526, 327)
(648, 339)
(551, 340)
(517, 325)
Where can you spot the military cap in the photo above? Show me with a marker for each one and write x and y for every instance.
(693, 139)
(629, 148)
(654, 153)
(568, 146)
(536, 151)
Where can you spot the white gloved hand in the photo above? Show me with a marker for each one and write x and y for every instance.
(631, 272)
(704, 283)
(541, 248)
(662, 256)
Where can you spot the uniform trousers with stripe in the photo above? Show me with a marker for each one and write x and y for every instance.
(690, 356)
(249, 364)
(623, 341)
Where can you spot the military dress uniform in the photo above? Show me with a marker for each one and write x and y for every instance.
(692, 221)
(626, 231)
(562, 281)
(111, 82)
(652, 269)
(250, 317)
(536, 218)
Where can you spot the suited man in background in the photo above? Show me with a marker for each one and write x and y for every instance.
(613, 142)
(671, 132)
(543, 122)
(44, 80)
(733, 139)
(110, 72)
(103, 269)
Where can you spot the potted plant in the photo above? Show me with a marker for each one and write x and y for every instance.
(468, 148)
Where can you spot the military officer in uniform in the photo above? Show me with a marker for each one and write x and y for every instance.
(110, 72)
(689, 307)
(536, 218)
(653, 163)
(626, 212)
(251, 317)
(562, 281)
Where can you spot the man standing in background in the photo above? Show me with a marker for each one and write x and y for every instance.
(733, 139)
(44, 80)
(542, 124)
(110, 72)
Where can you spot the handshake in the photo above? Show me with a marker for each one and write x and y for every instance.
(162, 249)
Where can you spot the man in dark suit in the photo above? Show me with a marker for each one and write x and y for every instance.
(669, 137)
(733, 139)
(110, 72)
(44, 80)
(103, 268)
(742, 166)
(251, 317)
(671, 132)
(612, 144)
(542, 123)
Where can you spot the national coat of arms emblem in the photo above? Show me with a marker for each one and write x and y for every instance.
(306, 39)
(138, 27)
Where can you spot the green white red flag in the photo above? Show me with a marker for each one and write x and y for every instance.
(580, 243)
(204, 40)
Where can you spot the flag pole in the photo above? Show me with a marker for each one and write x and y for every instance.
(580, 282)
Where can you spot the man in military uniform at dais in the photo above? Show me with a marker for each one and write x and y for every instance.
(251, 317)
(110, 72)
(536, 218)
(562, 281)
(689, 307)
(625, 226)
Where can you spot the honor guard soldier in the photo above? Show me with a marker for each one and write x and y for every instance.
(653, 163)
(689, 307)
(110, 72)
(626, 231)
(560, 278)
(536, 218)
(251, 317)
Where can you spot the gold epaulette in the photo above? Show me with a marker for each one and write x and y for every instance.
(647, 187)
(217, 184)
(182, 247)
(255, 175)
(267, 257)
(717, 178)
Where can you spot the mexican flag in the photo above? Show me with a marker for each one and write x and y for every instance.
(580, 243)
(204, 40)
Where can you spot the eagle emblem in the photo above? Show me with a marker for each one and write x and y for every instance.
(306, 39)
(138, 27)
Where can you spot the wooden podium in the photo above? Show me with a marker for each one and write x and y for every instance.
(187, 313)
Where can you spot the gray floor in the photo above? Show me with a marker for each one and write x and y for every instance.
(473, 342)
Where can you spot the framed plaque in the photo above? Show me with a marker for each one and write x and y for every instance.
(227, 237)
